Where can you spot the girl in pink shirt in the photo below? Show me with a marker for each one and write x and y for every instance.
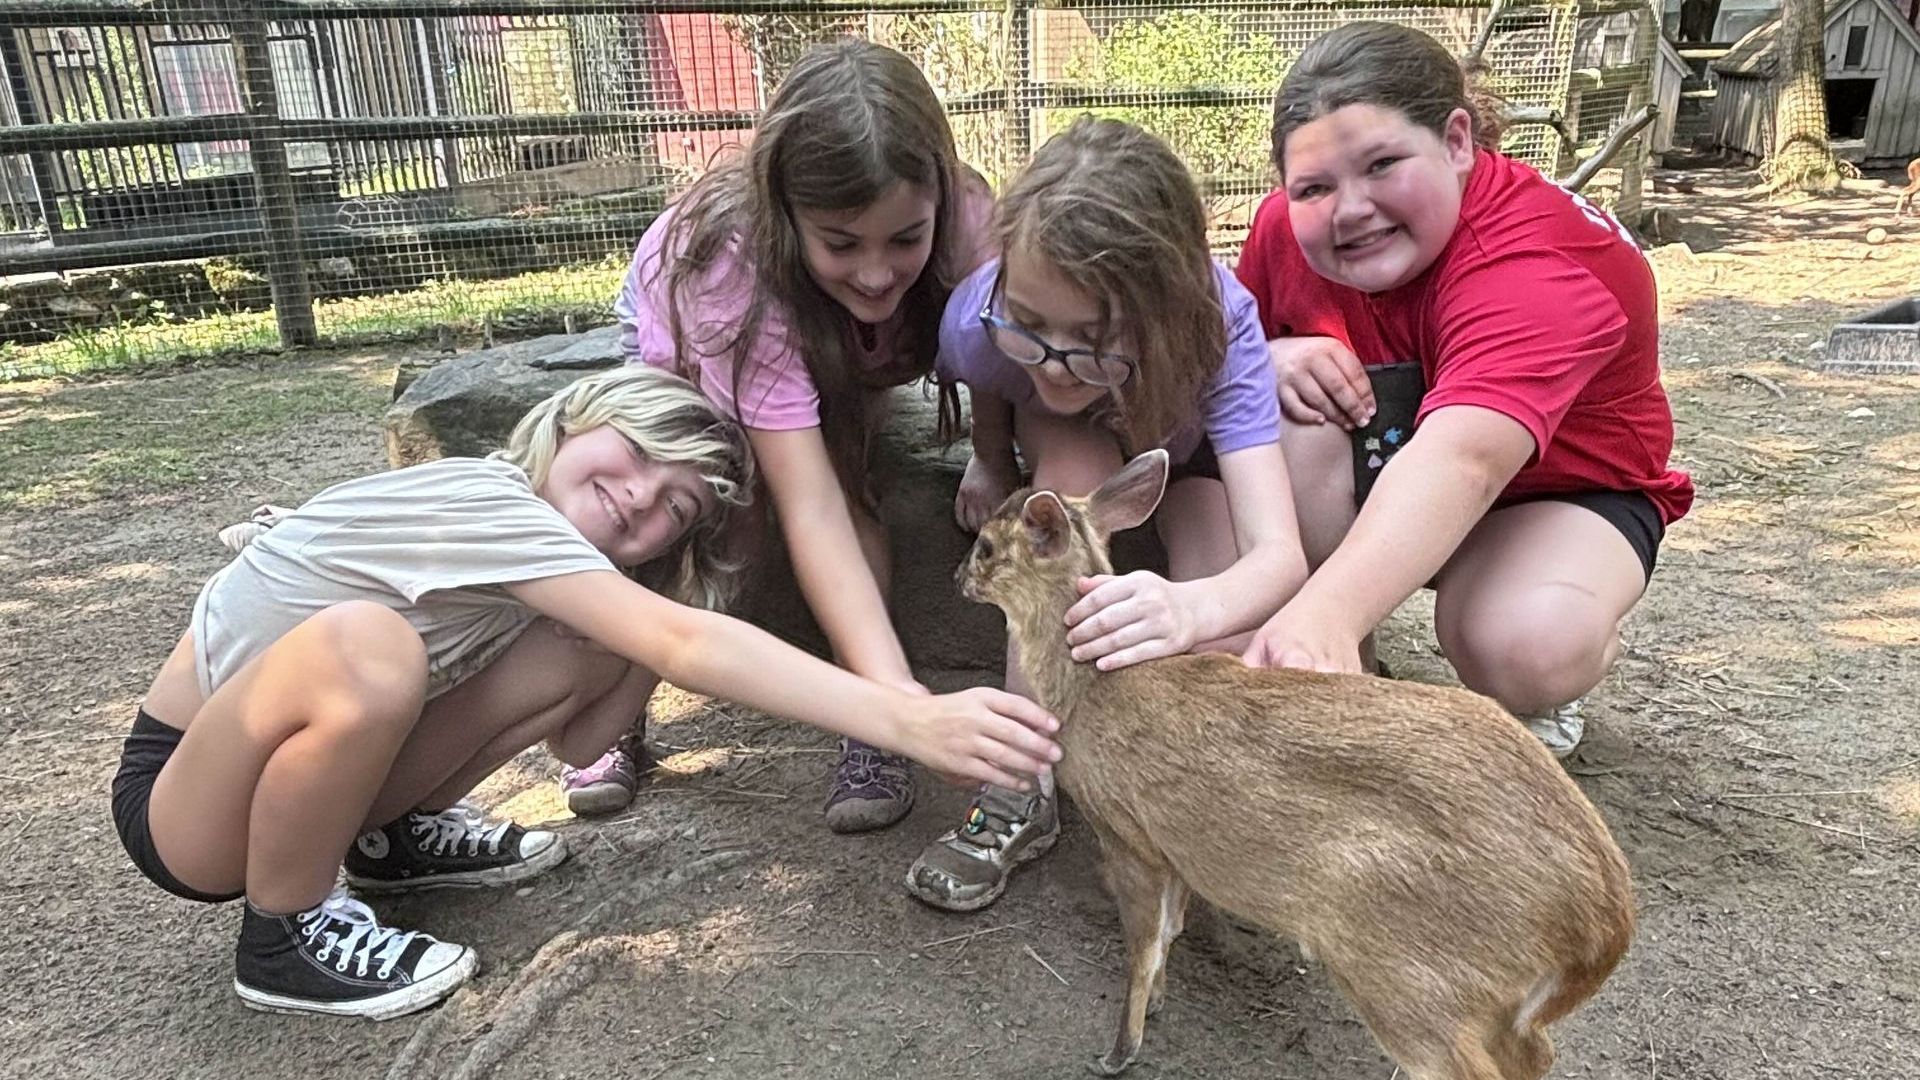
(796, 284)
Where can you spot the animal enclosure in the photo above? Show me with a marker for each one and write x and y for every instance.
(297, 172)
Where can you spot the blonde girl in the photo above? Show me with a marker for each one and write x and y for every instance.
(361, 665)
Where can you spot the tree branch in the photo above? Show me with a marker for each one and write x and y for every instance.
(1540, 114)
(1485, 36)
(1588, 168)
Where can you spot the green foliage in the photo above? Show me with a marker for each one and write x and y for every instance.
(1193, 50)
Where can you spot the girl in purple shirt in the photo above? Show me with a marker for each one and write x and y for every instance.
(1105, 330)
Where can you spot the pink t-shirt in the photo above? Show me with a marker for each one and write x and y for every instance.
(777, 392)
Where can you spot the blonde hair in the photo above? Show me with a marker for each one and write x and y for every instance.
(851, 120)
(1113, 209)
(672, 423)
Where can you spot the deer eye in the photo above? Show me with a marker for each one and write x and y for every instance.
(984, 549)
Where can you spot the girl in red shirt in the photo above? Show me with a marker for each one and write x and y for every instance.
(1436, 305)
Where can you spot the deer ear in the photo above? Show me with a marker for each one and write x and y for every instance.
(1045, 518)
(1129, 496)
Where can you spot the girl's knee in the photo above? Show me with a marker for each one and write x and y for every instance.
(371, 668)
(1529, 657)
(580, 669)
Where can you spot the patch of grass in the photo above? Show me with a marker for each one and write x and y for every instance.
(541, 298)
(77, 444)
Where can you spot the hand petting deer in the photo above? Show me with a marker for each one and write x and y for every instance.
(1459, 888)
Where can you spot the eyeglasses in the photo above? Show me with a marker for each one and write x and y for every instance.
(1024, 347)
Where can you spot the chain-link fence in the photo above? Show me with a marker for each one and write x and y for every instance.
(187, 176)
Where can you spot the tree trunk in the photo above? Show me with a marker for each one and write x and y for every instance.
(1802, 157)
(1696, 20)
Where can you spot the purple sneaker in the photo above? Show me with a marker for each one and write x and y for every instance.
(872, 789)
(607, 785)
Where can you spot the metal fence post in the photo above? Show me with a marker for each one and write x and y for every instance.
(1020, 97)
(272, 183)
(40, 164)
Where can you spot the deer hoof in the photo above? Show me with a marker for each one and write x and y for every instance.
(1109, 1065)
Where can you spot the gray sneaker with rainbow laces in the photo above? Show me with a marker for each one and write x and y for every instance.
(967, 868)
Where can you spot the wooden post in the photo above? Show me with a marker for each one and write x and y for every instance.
(272, 184)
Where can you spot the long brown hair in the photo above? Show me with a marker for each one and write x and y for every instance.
(1388, 66)
(1116, 212)
(851, 120)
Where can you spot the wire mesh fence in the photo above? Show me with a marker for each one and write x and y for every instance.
(187, 176)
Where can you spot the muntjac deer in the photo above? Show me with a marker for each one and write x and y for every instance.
(1458, 887)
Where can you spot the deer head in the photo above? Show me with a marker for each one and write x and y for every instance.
(1039, 543)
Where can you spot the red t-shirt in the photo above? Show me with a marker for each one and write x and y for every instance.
(1540, 307)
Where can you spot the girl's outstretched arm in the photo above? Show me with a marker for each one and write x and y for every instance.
(1141, 616)
(983, 735)
(993, 472)
(835, 573)
(1426, 501)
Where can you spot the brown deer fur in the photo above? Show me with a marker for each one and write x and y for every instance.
(1415, 839)
(1913, 188)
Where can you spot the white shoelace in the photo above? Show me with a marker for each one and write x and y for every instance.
(458, 824)
(363, 941)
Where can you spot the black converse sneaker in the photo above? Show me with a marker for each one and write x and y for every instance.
(457, 846)
(338, 960)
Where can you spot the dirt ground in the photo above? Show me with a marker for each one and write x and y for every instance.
(1753, 752)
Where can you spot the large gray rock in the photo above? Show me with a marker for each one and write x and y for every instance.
(467, 405)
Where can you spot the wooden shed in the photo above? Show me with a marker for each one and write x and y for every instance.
(1669, 73)
(1873, 86)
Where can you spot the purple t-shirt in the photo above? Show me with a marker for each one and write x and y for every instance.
(1241, 409)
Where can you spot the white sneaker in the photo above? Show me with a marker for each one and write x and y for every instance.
(1560, 729)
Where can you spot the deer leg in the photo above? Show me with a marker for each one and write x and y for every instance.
(1144, 894)
(1522, 1055)
(1174, 910)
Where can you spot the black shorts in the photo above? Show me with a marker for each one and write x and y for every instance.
(143, 755)
(1397, 390)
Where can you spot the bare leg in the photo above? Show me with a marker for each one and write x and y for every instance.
(279, 766)
(549, 684)
(1320, 468)
(1529, 608)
